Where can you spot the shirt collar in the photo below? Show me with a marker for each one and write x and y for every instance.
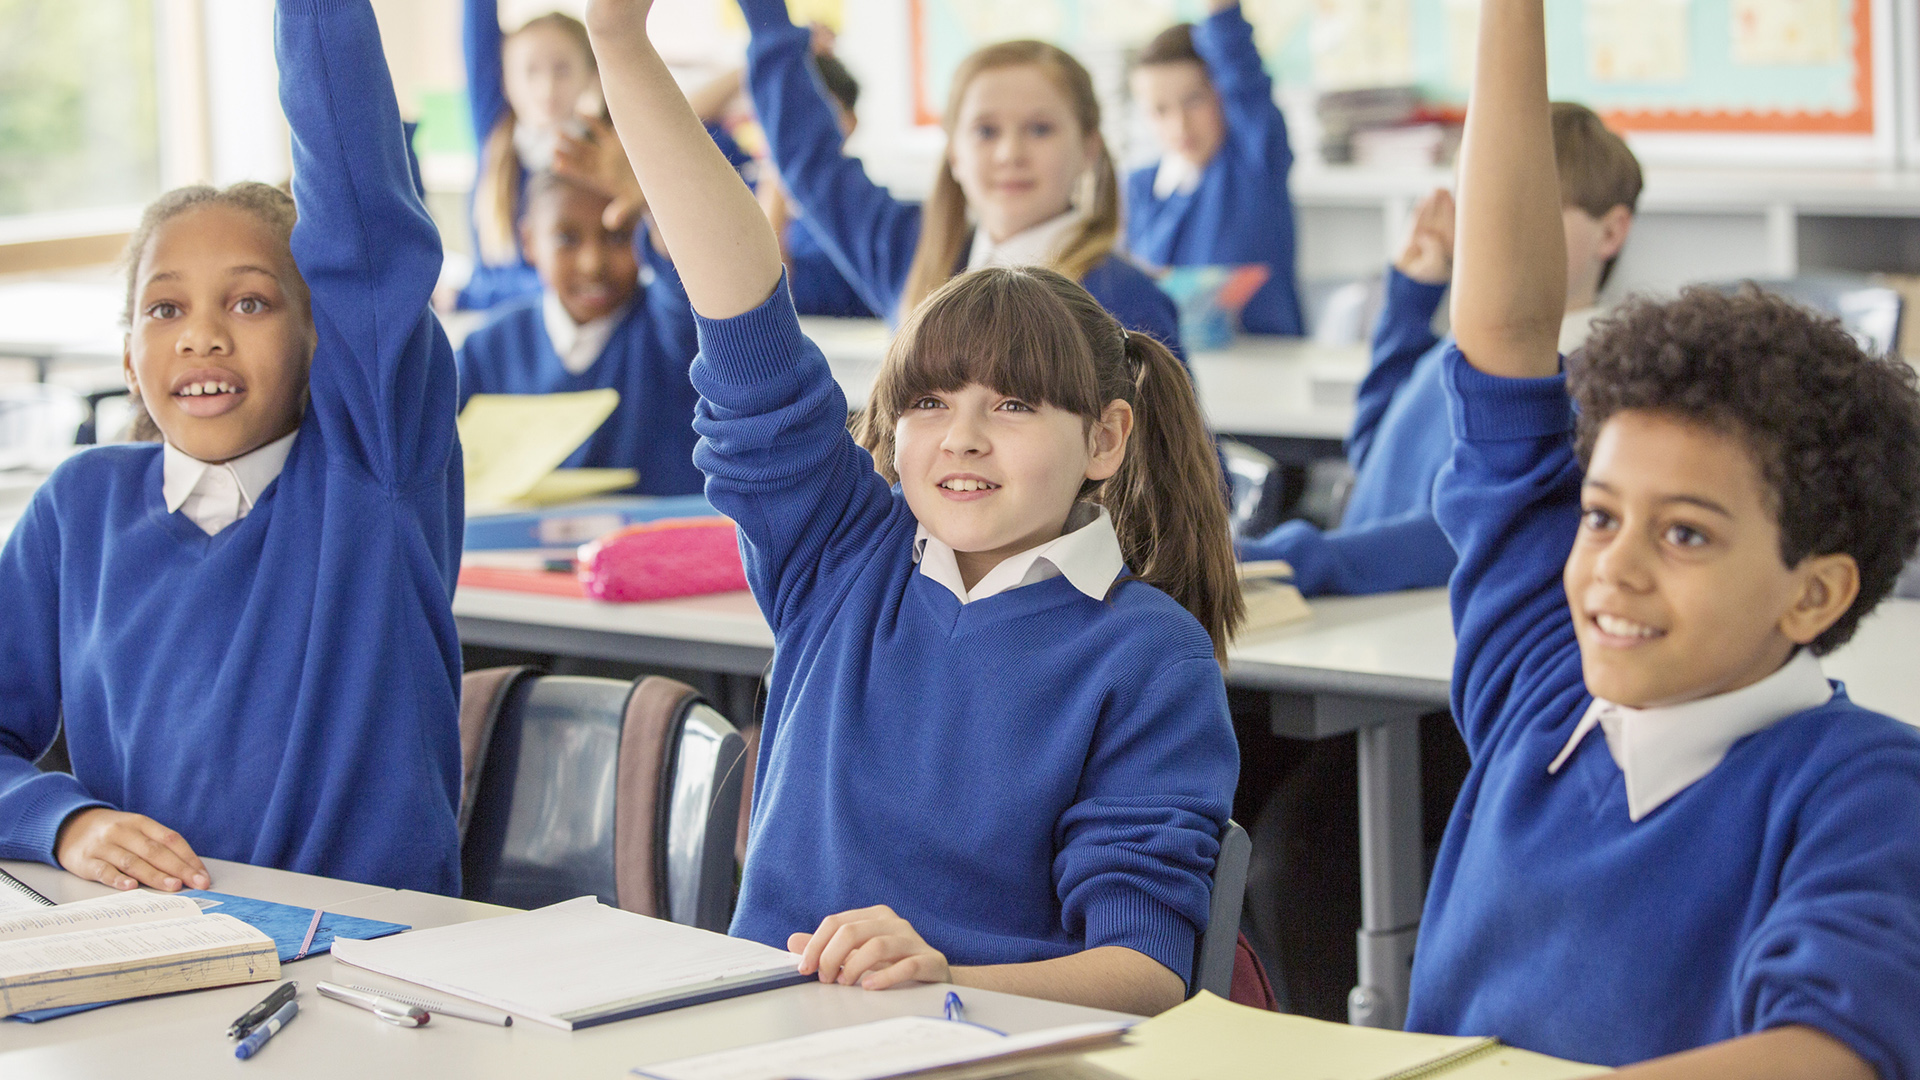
(577, 344)
(1033, 246)
(1087, 555)
(182, 474)
(1662, 751)
(1175, 176)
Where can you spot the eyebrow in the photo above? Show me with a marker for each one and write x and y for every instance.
(1700, 501)
(232, 271)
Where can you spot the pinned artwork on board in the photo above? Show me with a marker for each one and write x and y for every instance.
(1788, 32)
(1637, 41)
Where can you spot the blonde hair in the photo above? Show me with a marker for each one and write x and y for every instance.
(270, 205)
(496, 195)
(1035, 334)
(943, 222)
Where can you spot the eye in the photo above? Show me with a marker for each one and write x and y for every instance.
(1014, 405)
(1041, 129)
(250, 305)
(928, 402)
(566, 238)
(1685, 536)
(1594, 519)
(987, 132)
(165, 309)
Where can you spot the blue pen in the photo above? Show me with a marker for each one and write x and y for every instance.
(956, 1009)
(251, 1045)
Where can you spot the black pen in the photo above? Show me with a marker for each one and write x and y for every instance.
(255, 1016)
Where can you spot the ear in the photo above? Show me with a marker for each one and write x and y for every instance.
(524, 230)
(1615, 224)
(126, 365)
(1107, 440)
(1828, 586)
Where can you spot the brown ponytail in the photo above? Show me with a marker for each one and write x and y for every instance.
(497, 189)
(1034, 334)
(943, 218)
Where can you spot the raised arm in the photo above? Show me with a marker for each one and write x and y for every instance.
(486, 81)
(727, 255)
(1402, 336)
(870, 235)
(1255, 127)
(1405, 552)
(383, 379)
(1510, 265)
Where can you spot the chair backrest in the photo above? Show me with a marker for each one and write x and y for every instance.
(604, 787)
(1214, 954)
(483, 694)
(1255, 486)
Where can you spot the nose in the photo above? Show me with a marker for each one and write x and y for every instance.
(592, 259)
(1624, 562)
(966, 436)
(204, 333)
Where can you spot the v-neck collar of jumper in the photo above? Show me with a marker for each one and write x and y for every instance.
(1087, 554)
(214, 496)
(1665, 750)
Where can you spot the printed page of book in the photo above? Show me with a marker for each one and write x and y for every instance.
(120, 909)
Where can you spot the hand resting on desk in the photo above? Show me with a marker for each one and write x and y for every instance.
(128, 850)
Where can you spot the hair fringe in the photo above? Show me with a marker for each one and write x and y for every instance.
(1034, 333)
(944, 229)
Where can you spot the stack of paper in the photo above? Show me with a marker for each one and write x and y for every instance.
(901, 1046)
(513, 445)
(1271, 597)
(578, 963)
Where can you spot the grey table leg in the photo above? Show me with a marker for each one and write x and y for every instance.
(1392, 871)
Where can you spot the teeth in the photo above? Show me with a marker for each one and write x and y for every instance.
(1619, 627)
(201, 389)
(966, 485)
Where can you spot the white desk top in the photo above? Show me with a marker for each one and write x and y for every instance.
(182, 1035)
(1260, 385)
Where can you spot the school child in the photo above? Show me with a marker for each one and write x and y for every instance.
(1387, 538)
(1219, 195)
(996, 752)
(594, 326)
(818, 286)
(1024, 159)
(1678, 836)
(246, 631)
(525, 91)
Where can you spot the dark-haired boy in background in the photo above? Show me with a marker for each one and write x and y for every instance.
(1660, 543)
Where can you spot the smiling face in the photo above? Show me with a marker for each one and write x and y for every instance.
(589, 267)
(992, 475)
(1017, 149)
(221, 337)
(1183, 108)
(547, 76)
(1675, 581)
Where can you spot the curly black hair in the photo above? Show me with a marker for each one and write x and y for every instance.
(1836, 433)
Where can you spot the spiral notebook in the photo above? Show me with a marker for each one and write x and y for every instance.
(17, 895)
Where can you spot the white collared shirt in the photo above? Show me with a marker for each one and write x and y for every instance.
(1662, 751)
(1087, 555)
(1037, 245)
(215, 496)
(578, 344)
(1175, 176)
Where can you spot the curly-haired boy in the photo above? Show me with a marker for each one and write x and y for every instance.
(1726, 875)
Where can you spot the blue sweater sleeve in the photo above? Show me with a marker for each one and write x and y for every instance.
(383, 382)
(33, 804)
(1839, 948)
(1407, 552)
(486, 87)
(1136, 852)
(1256, 130)
(1509, 500)
(1402, 336)
(777, 456)
(868, 233)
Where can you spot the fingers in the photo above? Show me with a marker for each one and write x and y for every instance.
(168, 851)
(900, 972)
(824, 937)
(126, 850)
(798, 942)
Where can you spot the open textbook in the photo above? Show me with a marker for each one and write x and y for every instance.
(123, 946)
(577, 963)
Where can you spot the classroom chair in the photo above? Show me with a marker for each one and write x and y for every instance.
(576, 785)
(1256, 488)
(1224, 962)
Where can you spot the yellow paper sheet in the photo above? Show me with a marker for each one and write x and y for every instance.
(512, 441)
(1209, 1037)
(572, 485)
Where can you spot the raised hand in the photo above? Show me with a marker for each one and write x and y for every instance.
(871, 947)
(597, 160)
(127, 850)
(1428, 254)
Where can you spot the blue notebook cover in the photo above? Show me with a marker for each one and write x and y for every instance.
(575, 524)
(284, 923)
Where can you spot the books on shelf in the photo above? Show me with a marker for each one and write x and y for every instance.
(123, 946)
(578, 963)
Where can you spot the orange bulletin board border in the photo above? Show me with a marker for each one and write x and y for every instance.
(1860, 121)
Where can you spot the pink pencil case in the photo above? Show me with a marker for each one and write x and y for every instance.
(661, 559)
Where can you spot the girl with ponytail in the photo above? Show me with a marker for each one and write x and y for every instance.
(1026, 179)
(996, 749)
